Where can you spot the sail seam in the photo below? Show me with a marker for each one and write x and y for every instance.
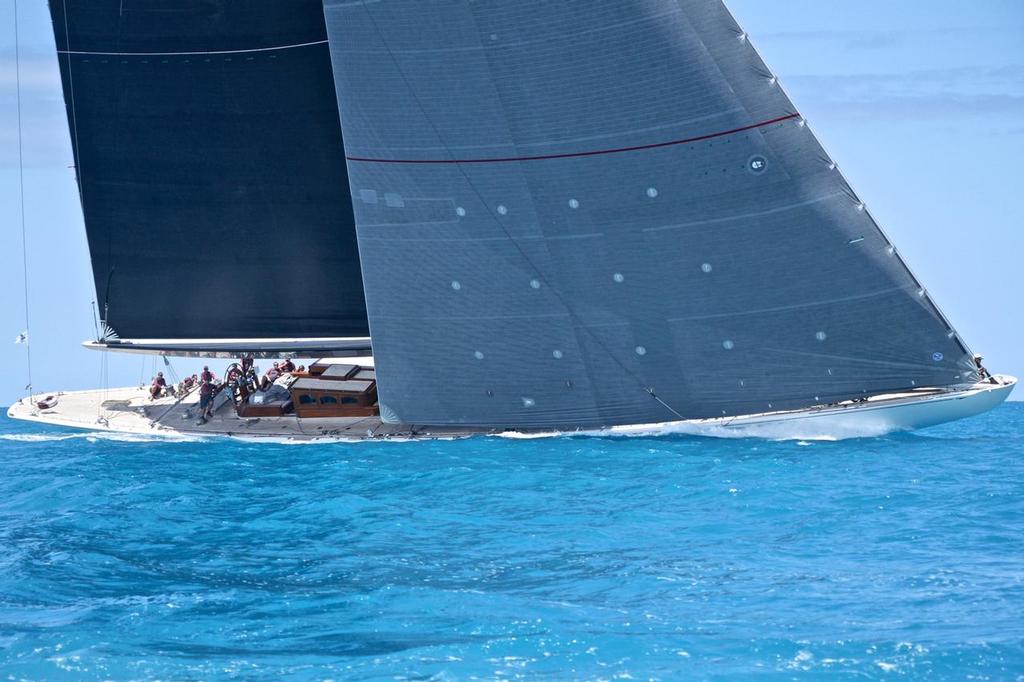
(436, 316)
(798, 306)
(550, 238)
(743, 216)
(580, 139)
(857, 359)
(566, 37)
(185, 54)
(593, 152)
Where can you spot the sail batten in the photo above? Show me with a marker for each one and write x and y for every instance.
(669, 270)
(96, 53)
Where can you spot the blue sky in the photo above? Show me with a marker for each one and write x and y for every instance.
(920, 102)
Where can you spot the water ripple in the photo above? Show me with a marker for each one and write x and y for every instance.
(664, 557)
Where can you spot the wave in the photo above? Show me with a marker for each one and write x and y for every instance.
(95, 436)
(328, 440)
(36, 437)
(779, 431)
(775, 431)
(122, 437)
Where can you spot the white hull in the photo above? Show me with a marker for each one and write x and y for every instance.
(877, 416)
(128, 410)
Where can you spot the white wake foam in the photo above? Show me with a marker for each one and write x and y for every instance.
(160, 437)
(96, 436)
(776, 431)
(35, 437)
(311, 439)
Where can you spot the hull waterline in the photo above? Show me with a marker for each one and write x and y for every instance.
(128, 410)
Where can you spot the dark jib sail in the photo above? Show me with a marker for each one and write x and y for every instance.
(577, 213)
(209, 157)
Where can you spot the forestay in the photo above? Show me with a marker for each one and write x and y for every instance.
(577, 213)
(212, 179)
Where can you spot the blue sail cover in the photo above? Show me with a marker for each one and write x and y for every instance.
(209, 156)
(584, 213)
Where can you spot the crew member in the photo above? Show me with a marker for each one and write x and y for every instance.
(982, 372)
(205, 400)
(156, 389)
(270, 377)
(185, 385)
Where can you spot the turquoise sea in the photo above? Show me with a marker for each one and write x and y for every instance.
(568, 558)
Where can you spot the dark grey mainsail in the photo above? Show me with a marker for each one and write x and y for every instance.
(586, 213)
(207, 145)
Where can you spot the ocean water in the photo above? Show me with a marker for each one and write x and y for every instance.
(641, 558)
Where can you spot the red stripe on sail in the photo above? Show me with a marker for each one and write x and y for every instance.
(572, 155)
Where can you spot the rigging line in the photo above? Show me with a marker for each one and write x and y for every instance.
(21, 187)
(155, 421)
(501, 226)
(170, 370)
(75, 145)
(100, 398)
(106, 382)
(96, 320)
(74, 116)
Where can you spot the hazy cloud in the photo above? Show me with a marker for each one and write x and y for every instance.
(922, 94)
(868, 39)
(850, 40)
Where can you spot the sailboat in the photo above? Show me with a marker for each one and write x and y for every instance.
(539, 218)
